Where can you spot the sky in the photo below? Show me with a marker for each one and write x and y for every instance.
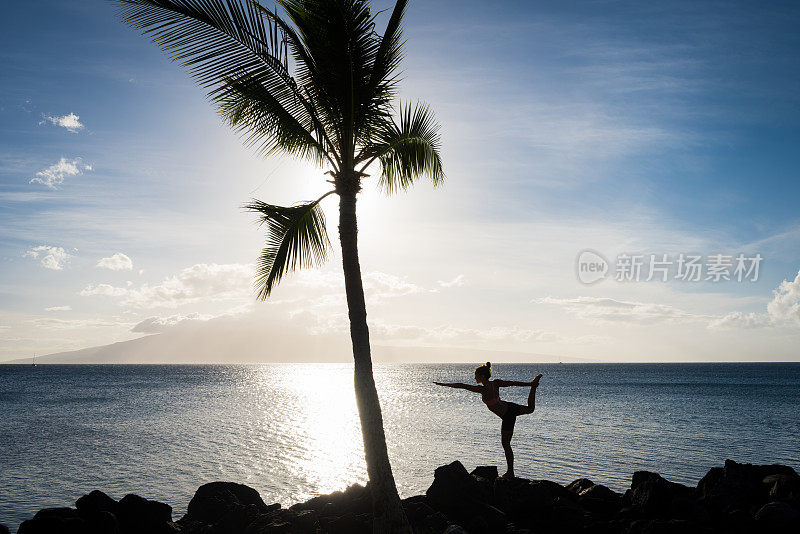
(627, 129)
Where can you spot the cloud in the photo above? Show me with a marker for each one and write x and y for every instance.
(785, 305)
(69, 324)
(379, 285)
(460, 335)
(738, 320)
(54, 175)
(201, 282)
(327, 323)
(58, 308)
(103, 289)
(70, 121)
(782, 310)
(618, 311)
(54, 258)
(117, 262)
(157, 325)
(458, 281)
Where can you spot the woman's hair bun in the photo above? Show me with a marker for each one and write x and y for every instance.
(489, 364)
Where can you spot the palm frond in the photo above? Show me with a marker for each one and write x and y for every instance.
(221, 40)
(296, 238)
(407, 150)
(340, 46)
(382, 86)
(264, 123)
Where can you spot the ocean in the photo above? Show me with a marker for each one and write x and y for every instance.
(291, 430)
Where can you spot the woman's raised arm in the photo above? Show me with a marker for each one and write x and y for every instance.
(459, 385)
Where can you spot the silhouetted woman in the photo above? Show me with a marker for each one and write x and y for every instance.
(507, 411)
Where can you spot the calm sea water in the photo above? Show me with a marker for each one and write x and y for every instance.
(291, 430)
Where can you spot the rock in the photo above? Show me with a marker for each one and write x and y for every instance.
(779, 515)
(226, 506)
(266, 525)
(654, 495)
(137, 514)
(668, 526)
(519, 497)
(739, 485)
(598, 499)
(536, 504)
(423, 518)
(485, 471)
(211, 501)
(579, 485)
(347, 524)
(566, 516)
(783, 488)
(54, 520)
(91, 504)
(453, 487)
(105, 523)
(4, 529)
(464, 499)
(356, 499)
(454, 529)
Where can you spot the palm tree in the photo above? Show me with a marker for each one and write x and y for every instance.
(319, 84)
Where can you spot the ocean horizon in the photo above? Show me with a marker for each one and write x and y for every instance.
(291, 430)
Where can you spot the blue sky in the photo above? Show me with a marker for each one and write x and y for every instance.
(623, 127)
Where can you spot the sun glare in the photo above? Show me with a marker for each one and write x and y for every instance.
(327, 420)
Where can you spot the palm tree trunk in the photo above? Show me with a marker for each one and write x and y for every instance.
(388, 511)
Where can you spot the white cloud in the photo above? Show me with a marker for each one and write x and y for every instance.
(117, 262)
(54, 175)
(458, 281)
(327, 323)
(610, 310)
(58, 308)
(69, 324)
(379, 285)
(739, 320)
(782, 310)
(785, 305)
(103, 289)
(460, 335)
(54, 258)
(156, 325)
(201, 282)
(69, 121)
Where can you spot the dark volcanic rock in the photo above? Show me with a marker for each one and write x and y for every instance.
(656, 496)
(423, 517)
(356, 499)
(453, 487)
(598, 499)
(579, 485)
(739, 485)
(92, 504)
(464, 499)
(229, 507)
(54, 520)
(211, 501)
(734, 499)
(4, 529)
(780, 516)
(783, 488)
(485, 471)
(137, 514)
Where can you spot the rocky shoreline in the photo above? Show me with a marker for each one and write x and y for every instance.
(736, 498)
